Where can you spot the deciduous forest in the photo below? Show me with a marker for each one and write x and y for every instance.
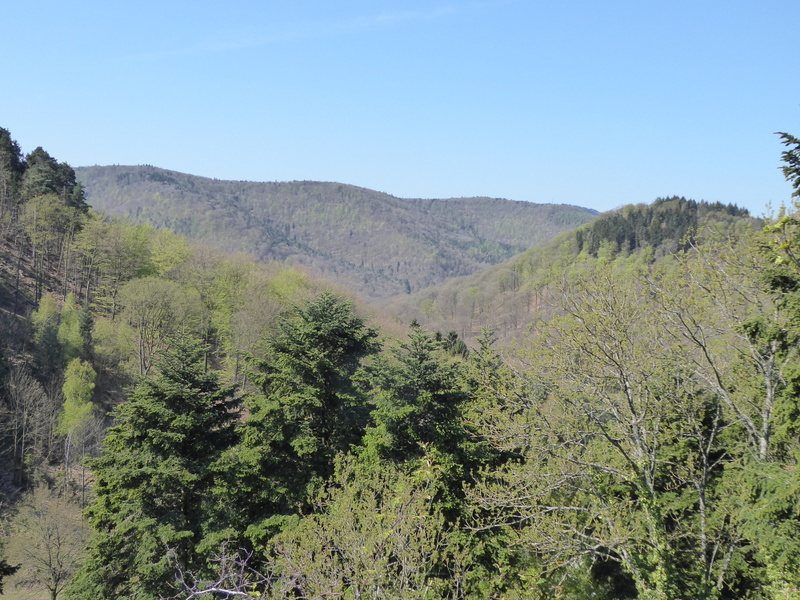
(612, 414)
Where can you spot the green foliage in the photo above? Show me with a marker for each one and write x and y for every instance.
(12, 167)
(156, 309)
(48, 356)
(639, 441)
(308, 410)
(419, 404)
(5, 571)
(44, 175)
(78, 388)
(69, 329)
(85, 328)
(791, 159)
(373, 534)
(168, 251)
(154, 477)
(48, 221)
(114, 252)
(670, 220)
(372, 242)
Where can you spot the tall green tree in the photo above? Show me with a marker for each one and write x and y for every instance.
(622, 443)
(374, 533)
(12, 167)
(423, 394)
(154, 477)
(419, 414)
(77, 412)
(69, 329)
(112, 252)
(48, 353)
(6, 570)
(45, 175)
(308, 410)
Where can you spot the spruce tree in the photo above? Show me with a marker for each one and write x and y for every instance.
(153, 480)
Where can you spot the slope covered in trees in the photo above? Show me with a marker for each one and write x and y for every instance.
(268, 440)
(372, 242)
(506, 297)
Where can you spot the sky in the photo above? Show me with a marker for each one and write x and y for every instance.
(588, 102)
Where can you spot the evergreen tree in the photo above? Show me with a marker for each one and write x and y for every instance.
(420, 399)
(45, 175)
(309, 410)
(153, 480)
(85, 328)
(5, 571)
(12, 166)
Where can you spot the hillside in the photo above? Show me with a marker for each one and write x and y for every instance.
(506, 297)
(639, 439)
(377, 244)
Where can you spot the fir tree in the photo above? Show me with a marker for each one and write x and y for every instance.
(309, 410)
(153, 479)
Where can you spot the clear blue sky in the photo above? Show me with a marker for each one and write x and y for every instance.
(594, 103)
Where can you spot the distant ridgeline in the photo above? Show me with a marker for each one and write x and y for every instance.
(666, 222)
(370, 241)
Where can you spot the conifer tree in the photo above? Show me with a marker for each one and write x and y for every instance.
(85, 328)
(45, 175)
(12, 166)
(154, 477)
(309, 410)
(420, 399)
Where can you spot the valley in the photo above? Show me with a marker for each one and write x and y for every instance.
(315, 390)
(374, 243)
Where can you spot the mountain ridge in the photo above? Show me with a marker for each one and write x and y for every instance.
(376, 243)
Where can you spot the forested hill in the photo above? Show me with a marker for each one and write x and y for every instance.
(506, 297)
(664, 224)
(270, 440)
(373, 242)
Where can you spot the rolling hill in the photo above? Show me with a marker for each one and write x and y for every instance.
(374, 243)
(507, 296)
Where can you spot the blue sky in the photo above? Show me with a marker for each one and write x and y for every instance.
(594, 103)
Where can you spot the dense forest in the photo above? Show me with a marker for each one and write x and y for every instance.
(374, 243)
(506, 297)
(182, 423)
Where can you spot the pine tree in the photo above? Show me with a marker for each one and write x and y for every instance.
(45, 175)
(153, 480)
